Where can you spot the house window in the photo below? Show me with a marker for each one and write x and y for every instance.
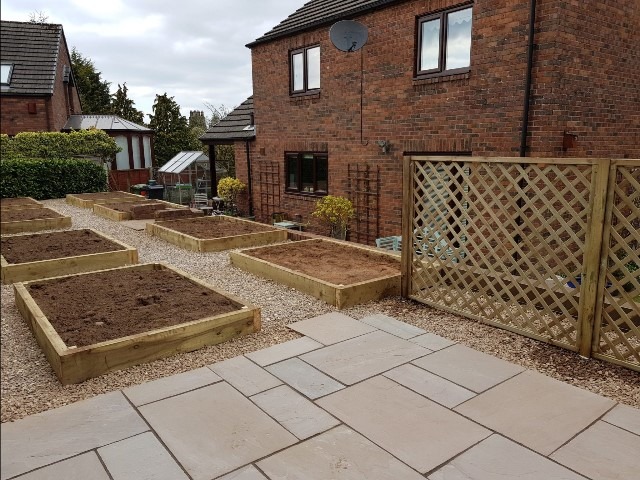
(5, 73)
(444, 42)
(305, 70)
(307, 173)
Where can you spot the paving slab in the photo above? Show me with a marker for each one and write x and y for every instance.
(294, 412)
(603, 452)
(304, 378)
(625, 417)
(536, 411)
(283, 351)
(169, 386)
(245, 375)
(365, 356)
(416, 430)
(429, 385)
(247, 473)
(331, 328)
(499, 458)
(55, 435)
(432, 341)
(339, 454)
(82, 467)
(215, 430)
(140, 457)
(391, 325)
(468, 368)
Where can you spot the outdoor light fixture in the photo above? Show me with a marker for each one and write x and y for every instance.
(384, 144)
(569, 140)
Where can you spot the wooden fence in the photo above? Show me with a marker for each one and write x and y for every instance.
(547, 248)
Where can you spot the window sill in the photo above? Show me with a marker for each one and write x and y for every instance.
(300, 97)
(441, 77)
(306, 194)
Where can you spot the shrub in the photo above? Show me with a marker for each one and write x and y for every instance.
(50, 178)
(336, 213)
(229, 188)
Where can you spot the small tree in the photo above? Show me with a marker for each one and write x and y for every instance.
(335, 212)
(124, 107)
(229, 188)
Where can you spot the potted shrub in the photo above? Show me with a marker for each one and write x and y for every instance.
(335, 212)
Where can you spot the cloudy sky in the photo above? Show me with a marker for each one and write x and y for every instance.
(192, 50)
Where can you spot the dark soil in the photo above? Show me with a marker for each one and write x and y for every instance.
(28, 214)
(214, 227)
(92, 308)
(15, 202)
(45, 246)
(101, 195)
(329, 261)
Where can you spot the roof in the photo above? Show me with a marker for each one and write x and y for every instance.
(235, 126)
(317, 13)
(102, 122)
(183, 160)
(32, 49)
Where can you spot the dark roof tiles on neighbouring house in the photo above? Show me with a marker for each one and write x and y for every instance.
(319, 12)
(32, 49)
(235, 126)
(108, 123)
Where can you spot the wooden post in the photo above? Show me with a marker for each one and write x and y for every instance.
(407, 214)
(212, 170)
(591, 261)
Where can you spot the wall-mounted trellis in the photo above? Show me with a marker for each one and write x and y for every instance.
(269, 190)
(363, 189)
(518, 243)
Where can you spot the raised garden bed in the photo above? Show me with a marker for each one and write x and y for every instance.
(88, 200)
(32, 220)
(217, 233)
(18, 203)
(121, 211)
(92, 323)
(44, 255)
(341, 274)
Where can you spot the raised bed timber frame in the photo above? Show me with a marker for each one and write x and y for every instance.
(217, 244)
(55, 267)
(30, 203)
(340, 296)
(76, 364)
(35, 225)
(77, 201)
(103, 210)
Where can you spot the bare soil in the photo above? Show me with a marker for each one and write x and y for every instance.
(329, 261)
(28, 214)
(214, 227)
(46, 246)
(93, 308)
(15, 202)
(101, 195)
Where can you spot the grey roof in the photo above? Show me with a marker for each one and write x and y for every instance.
(102, 122)
(317, 13)
(33, 49)
(183, 160)
(233, 126)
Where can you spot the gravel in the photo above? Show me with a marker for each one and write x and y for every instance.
(28, 385)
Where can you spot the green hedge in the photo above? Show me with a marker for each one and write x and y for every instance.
(87, 143)
(50, 178)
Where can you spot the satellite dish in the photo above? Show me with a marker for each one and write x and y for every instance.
(348, 36)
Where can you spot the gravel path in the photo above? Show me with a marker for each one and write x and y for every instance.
(28, 385)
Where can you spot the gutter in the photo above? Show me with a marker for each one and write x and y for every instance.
(527, 86)
(246, 144)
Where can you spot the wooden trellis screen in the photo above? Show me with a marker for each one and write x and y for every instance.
(363, 189)
(547, 248)
(269, 190)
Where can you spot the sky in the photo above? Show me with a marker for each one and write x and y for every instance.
(193, 50)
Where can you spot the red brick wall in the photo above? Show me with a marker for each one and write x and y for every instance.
(479, 112)
(15, 116)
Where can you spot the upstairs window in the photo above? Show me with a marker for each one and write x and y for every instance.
(305, 70)
(307, 173)
(5, 73)
(444, 42)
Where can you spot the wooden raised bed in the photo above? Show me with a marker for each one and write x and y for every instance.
(108, 211)
(18, 203)
(87, 200)
(264, 236)
(33, 270)
(76, 364)
(41, 219)
(339, 295)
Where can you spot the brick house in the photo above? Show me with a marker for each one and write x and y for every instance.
(37, 88)
(435, 77)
